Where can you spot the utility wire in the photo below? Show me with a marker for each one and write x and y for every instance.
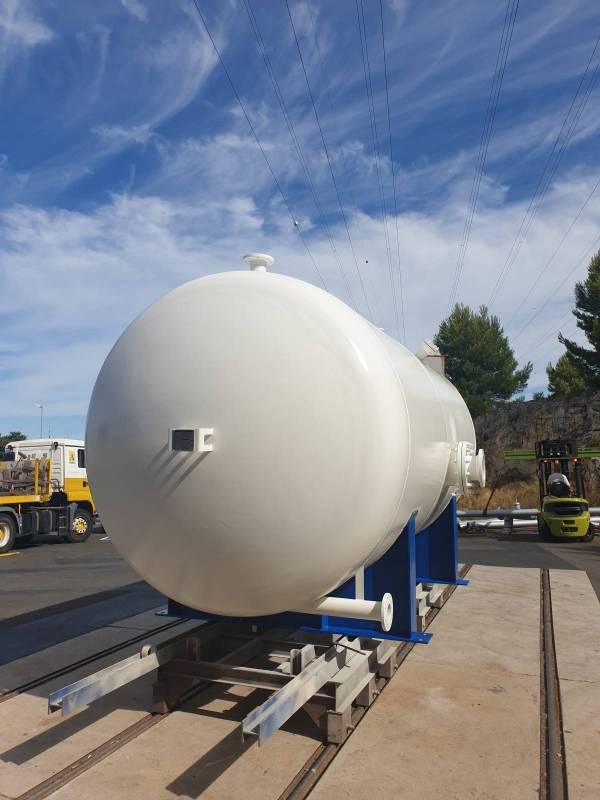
(392, 167)
(551, 165)
(548, 333)
(551, 259)
(327, 95)
(291, 129)
(339, 199)
(360, 14)
(321, 66)
(259, 143)
(510, 16)
(560, 284)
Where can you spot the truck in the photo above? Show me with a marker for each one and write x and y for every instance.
(44, 489)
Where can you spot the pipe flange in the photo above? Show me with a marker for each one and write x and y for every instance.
(387, 611)
(470, 467)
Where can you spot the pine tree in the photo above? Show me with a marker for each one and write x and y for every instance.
(13, 436)
(564, 377)
(587, 312)
(479, 359)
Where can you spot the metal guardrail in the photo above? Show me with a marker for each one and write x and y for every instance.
(516, 513)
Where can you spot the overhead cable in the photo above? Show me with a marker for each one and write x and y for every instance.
(561, 282)
(501, 59)
(393, 169)
(561, 143)
(362, 30)
(551, 259)
(326, 151)
(548, 333)
(327, 95)
(259, 144)
(292, 131)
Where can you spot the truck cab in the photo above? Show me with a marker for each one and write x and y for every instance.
(44, 489)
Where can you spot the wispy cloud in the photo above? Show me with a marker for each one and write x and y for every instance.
(138, 134)
(147, 175)
(21, 24)
(121, 256)
(20, 30)
(137, 8)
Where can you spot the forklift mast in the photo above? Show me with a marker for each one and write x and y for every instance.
(558, 455)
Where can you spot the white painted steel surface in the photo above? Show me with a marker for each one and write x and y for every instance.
(328, 434)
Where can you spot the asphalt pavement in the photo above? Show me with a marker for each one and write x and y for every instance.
(525, 549)
(52, 591)
(91, 581)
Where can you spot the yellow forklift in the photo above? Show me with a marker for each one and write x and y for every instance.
(564, 512)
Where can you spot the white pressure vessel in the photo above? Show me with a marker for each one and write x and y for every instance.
(252, 442)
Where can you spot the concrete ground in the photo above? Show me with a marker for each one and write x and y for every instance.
(459, 719)
(523, 548)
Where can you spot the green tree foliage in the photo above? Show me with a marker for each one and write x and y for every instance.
(479, 359)
(587, 312)
(13, 436)
(564, 377)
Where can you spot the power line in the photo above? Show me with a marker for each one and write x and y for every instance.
(290, 126)
(548, 333)
(321, 65)
(498, 77)
(551, 165)
(551, 259)
(387, 97)
(560, 284)
(362, 30)
(259, 143)
(339, 199)
(327, 94)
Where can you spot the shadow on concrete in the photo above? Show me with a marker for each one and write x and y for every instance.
(527, 550)
(37, 630)
(197, 778)
(136, 700)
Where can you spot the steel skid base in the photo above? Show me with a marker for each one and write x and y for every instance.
(326, 665)
(413, 562)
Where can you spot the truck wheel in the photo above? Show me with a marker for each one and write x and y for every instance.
(82, 526)
(8, 532)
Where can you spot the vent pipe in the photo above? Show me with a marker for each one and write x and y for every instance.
(258, 262)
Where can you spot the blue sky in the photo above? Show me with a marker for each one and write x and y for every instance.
(127, 168)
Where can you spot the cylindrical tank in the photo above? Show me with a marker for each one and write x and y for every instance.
(252, 442)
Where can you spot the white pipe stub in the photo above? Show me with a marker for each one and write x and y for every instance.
(381, 611)
(258, 262)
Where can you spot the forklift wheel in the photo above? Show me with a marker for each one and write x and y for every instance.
(589, 535)
(544, 531)
(82, 526)
(8, 532)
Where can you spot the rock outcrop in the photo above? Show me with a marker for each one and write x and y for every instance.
(519, 425)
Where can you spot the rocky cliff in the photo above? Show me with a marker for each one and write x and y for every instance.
(519, 425)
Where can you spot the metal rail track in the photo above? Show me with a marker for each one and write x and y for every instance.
(312, 770)
(553, 763)
(300, 786)
(98, 754)
(7, 694)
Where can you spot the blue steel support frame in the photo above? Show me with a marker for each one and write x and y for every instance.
(430, 557)
(437, 550)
